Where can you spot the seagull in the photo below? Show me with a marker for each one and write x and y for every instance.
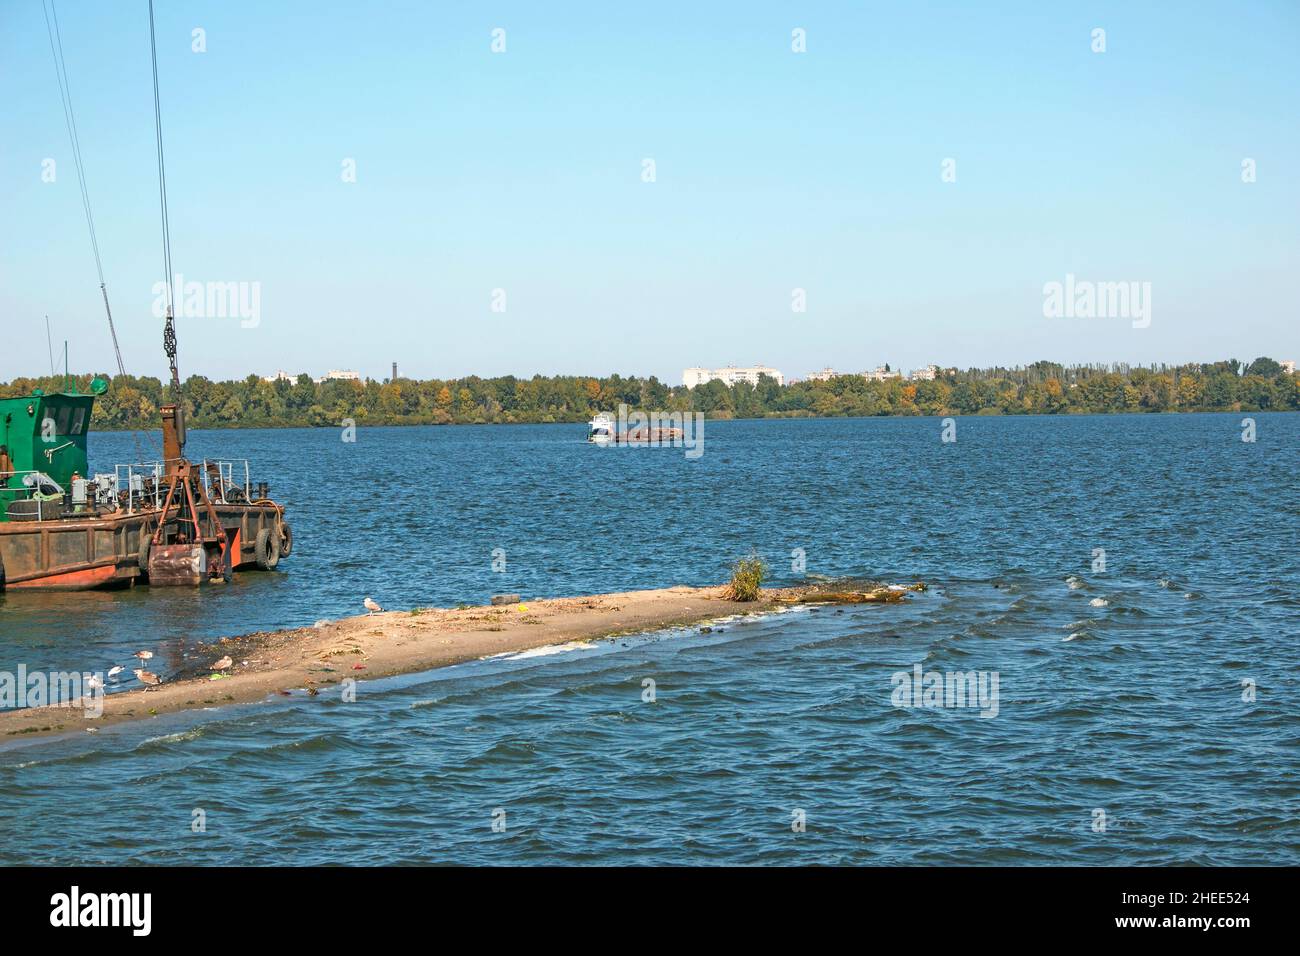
(371, 606)
(115, 670)
(93, 683)
(224, 664)
(147, 677)
(143, 655)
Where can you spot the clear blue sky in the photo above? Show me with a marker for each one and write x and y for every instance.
(775, 170)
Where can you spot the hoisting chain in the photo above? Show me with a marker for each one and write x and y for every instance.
(169, 346)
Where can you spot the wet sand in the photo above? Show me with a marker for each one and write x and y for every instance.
(304, 660)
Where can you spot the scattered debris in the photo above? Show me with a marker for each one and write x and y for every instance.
(879, 596)
(873, 594)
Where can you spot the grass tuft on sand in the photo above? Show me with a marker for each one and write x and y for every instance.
(747, 576)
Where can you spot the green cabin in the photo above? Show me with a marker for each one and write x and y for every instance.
(45, 433)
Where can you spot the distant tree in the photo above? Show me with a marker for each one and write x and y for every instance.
(1041, 388)
(1264, 367)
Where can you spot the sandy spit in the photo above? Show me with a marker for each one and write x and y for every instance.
(371, 646)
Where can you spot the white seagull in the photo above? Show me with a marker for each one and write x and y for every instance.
(143, 655)
(115, 670)
(371, 606)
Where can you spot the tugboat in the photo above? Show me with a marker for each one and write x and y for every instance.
(163, 522)
(601, 429)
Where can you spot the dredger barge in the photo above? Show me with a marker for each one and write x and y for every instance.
(166, 522)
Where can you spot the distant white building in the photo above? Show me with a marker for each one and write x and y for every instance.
(926, 374)
(730, 375)
(881, 373)
(825, 375)
(280, 376)
(1288, 366)
(336, 374)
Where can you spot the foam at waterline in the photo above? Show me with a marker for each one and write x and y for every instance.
(592, 644)
(544, 651)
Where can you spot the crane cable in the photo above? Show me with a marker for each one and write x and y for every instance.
(169, 329)
(70, 120)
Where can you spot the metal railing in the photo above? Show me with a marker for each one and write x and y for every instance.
(134, 485)
(144, 483)
(225, 474)
(218, 473)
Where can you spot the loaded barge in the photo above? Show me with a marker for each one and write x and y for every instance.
(603, 430)
(169, 521)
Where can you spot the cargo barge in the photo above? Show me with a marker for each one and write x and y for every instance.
(168, 521)
(603, 430)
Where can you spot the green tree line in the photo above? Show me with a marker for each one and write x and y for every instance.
(1043, 388)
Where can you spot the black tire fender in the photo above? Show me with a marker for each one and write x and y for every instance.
(266, 549)
(286, 539)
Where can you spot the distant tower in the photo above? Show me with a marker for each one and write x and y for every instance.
(394, 378)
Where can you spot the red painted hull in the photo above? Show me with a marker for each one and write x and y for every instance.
(104, 552)
(83, 580)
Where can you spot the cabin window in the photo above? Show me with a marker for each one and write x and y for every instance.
(78, 421)
(61, 418)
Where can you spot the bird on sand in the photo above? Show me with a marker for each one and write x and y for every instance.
(143, 655)
(371, 606)
(224, 664)
(115, 670)
(93, 683)
(147, 677)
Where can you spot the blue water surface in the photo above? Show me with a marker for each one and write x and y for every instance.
(1146, 712)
